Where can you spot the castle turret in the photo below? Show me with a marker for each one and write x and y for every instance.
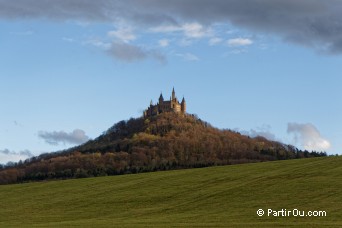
(161, 98)
(183, 106)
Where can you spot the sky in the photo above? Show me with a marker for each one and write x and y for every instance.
(69, 70)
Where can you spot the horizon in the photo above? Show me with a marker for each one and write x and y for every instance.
(70, 71)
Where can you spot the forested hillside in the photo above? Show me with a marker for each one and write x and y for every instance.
(164, 142)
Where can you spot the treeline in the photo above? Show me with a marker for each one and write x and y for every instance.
(168, 141)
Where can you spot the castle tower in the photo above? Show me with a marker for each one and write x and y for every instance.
(161, 99)
(183, 106)
(173, 94)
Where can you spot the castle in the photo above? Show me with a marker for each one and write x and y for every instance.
(173, 105)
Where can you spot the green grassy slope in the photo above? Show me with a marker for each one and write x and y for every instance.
(226, 196)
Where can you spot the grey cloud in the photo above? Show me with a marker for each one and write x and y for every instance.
(313, 23)
(264, 131)
(84, 10)
(21, 153)
(5, 151)
(26, 153)
(6, 155)
(54, 138)
(130, 53)
(266, 134)
(58, 10)
(307, 136)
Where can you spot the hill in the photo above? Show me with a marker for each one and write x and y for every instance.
(224, 196)
(163, 142)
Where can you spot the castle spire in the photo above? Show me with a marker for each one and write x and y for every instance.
(183, 100)
(173, 93)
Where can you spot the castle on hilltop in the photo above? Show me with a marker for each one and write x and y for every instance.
(173, 105)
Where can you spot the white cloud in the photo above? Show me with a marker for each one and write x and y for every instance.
(125, 35)
(163, 43)
(238, 42)
(188, 57)
(99, 43)
(189, 30)
(166, 29)
(67, 39)
(308, 137)
(7, 156)
(77, 136)
(214, 41)
(195, 30)
(185, 42)
(238, 51)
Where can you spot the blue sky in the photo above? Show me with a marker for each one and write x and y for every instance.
(70, 71)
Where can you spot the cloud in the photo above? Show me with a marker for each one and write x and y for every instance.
(163, 43)
(238, 42)
(131, 53)
(99, 44)
(127, 52)
(166, 29)
(77, 136)
(185, 42)
(312, 23)
(237, 51)
(190, 30)
(56, 10)
(68, 39)
(6, 155)
(188, 56)
(214, 41)
(195, 30)
(308, 137)
(16, 123)
(263, 131)
(123, 34)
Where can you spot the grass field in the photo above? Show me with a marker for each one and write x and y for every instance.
(226, 196)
